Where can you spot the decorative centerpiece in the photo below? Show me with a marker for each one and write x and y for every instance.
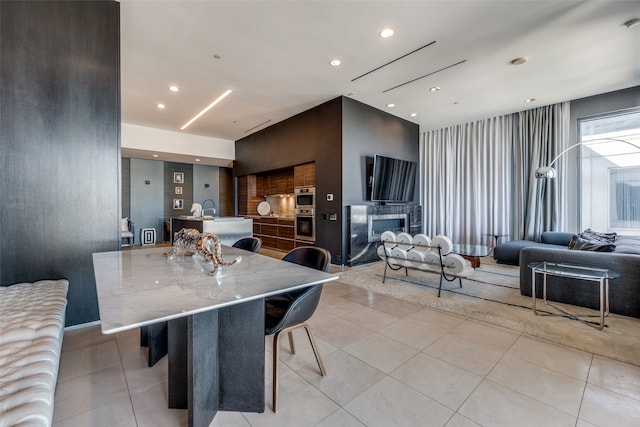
(189, 241)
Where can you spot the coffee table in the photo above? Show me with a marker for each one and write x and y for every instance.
(472, 253)
(571, 271)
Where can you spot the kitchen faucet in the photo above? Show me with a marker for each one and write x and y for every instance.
(213, 208)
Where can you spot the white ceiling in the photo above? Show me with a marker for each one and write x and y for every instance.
(274, 56)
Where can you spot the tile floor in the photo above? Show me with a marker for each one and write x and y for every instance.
(389, 363)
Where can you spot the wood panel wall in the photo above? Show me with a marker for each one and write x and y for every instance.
(60, 133)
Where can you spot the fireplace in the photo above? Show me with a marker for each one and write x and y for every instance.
(365, 224)
(378, 224)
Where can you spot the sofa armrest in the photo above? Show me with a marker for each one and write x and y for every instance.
(556, 238)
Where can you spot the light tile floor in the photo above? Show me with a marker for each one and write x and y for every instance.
(389, 363)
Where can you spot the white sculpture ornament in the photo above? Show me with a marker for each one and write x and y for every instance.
(196, 210)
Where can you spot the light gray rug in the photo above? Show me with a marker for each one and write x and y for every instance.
(492, 294)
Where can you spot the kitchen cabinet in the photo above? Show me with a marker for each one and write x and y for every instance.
(248, 199)
(304, 175)
(276, 233)
(276, 182)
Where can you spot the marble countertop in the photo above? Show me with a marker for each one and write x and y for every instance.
(141, 287)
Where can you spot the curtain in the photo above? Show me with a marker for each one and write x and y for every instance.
(540, 135)
(478, 179)
(466, 187)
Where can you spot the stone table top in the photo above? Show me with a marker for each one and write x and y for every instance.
(142, 287)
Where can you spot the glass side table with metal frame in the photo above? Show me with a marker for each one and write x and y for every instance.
(599, 275)
(473, 253)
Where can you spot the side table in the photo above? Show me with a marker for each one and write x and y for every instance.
(472, 253)
(598, 275)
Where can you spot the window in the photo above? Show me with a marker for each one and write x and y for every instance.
(610, 172)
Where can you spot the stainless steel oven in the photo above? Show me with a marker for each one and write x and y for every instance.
(305, 197)
(305, 224)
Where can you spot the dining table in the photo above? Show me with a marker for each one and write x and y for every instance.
(216, 346)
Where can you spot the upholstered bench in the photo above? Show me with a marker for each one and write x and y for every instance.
(31, 330)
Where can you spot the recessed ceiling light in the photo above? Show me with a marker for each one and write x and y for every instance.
(413, 114)
(161, 106)
(197, 160)
(435, 89)
(335, 62)
(632, 22)
(530, 100)
(391, 105)
(154, 155)
(518, 61)
(207, 108)
(386, 33)
(174, 89)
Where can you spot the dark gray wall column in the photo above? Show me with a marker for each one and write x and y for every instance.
(60, 137)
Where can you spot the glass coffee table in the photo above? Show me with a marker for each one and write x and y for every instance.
(598, 275)
(472, 253)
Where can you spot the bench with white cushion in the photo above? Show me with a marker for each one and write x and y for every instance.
(31, 330)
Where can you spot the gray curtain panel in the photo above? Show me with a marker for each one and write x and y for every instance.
(478, 178)
(540, 135)
(467, 173)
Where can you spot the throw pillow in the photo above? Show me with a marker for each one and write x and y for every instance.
(603, 237)
(590, 240)
(124, 224)
(582, 244)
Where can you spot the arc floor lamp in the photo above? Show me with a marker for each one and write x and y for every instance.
(548, 172)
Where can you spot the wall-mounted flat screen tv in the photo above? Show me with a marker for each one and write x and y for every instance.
(393, 179)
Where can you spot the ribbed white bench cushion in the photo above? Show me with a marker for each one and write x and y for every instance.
(31, 329)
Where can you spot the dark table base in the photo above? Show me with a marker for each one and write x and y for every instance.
(216, 362)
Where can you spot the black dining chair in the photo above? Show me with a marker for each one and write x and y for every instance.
(251, 244)
(291, 310)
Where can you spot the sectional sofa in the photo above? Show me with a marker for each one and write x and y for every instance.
(624, 292)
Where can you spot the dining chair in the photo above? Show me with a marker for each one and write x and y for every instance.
(251, 244)
(289, 311)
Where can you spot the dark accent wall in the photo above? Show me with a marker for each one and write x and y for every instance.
(337, 135)
(126, 187)
(368, 131)
(314, 135)
(60, 137)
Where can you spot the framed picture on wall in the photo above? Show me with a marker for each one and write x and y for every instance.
(178, 177)
(178, 190)
(178, 204)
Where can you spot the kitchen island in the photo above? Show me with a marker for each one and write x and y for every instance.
(228, 228)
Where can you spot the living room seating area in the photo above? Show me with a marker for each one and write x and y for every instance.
(621, 256)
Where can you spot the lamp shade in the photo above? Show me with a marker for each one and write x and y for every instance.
(544, 172)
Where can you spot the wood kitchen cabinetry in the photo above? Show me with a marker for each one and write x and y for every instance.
(252, 189)
(276, 233)
(304, 175)
(247, 199)
(278, 182)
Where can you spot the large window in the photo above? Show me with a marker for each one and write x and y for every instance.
(610, 172)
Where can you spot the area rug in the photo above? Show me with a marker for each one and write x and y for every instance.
(492, 294)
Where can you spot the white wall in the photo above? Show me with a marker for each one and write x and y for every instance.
(157, 140)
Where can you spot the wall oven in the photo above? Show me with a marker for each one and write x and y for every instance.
(305, 224)
(305, 197)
